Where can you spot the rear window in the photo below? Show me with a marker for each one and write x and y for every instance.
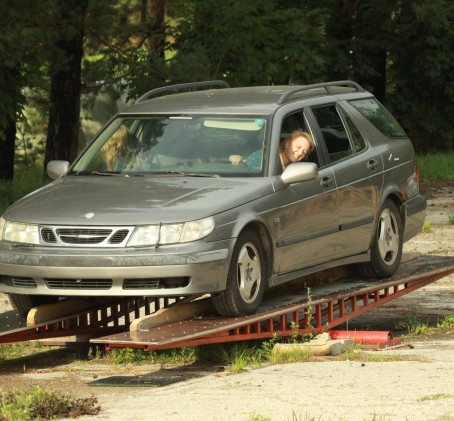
(379, 116)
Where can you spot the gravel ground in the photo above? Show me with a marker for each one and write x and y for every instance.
(419, 387)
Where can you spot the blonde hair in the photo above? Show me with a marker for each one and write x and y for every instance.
(294, 135)
(115, 146)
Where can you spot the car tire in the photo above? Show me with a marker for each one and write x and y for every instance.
(24, 303)
(386, 251)
(246, 280)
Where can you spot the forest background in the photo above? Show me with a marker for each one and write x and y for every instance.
(58, 56)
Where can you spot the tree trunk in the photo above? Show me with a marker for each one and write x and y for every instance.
(10, 96)
(65, 88)
(154, 16)
(7, 151)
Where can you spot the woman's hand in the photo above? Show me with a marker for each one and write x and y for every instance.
(236, 159)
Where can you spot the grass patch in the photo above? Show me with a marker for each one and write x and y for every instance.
(436, 167)
(451, 218)
(20, 350)
(38, 403)
(426, 226)
(446, 323)
(25, 181)
(415, 326)
(435, 397)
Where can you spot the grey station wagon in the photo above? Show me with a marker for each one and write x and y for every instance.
(154, 205)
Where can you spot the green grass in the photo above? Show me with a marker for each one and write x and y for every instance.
(24, 182)
(38, 403)
(436, 167)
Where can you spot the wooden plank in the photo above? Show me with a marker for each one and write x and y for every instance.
(182, 310)
(63, 308)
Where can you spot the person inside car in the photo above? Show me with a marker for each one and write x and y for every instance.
(292, 149)
(118, 150)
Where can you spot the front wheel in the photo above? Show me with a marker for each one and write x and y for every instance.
(386, 251)
(24, 303)
(246, 280)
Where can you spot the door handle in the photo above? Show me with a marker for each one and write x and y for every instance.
(372, 164)
(326, 182)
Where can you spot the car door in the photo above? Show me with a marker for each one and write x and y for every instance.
(358, 173)
(305, 217)
(306, 222)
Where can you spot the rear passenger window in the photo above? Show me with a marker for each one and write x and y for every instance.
(379, 116)
(334, 133)
(356, 135)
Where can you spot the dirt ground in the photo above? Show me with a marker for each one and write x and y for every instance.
(418, 386)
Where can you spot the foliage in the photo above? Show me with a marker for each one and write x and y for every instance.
(392, 48)
(413, 323)
(12, 351)
(25, 181)
(436, 167)
(124, 356)
(446, 323)
(451, 218)
(426, 226)
(422, 72)
(39, 403)
(435, 397)
(249, 43)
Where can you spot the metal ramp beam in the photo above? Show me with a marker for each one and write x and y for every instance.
(103, 319)
(325, 309)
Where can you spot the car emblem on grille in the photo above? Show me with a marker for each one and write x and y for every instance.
(89, 215)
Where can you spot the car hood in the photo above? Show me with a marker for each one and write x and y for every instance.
(96, 200)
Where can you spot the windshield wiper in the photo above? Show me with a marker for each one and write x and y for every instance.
(106, 174)
(184, 174)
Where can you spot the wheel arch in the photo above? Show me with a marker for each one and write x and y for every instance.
(397, 198)
(267, 243)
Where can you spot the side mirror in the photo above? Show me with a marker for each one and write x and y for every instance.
(55, 169)
(299, 171)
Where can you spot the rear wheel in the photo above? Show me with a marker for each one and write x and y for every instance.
(246, 281)
(386, 251)
(24, 303)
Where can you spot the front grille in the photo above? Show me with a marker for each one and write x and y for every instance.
(18, 282)
(141, 284)
(23, 282)
(85, 236)
(78, 283)
(156, 283)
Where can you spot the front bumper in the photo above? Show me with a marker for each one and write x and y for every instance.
(68, 272)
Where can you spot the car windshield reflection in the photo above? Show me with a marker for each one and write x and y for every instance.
(184, 145)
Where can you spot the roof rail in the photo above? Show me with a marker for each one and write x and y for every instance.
(192, 86)
(326, 85)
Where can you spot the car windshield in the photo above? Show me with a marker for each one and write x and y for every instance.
(188, 145)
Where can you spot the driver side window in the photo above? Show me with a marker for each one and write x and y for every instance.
(296, 122)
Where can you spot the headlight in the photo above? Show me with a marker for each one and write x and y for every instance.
(19, 232)
(150, 235)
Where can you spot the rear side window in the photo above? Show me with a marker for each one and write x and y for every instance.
(379, 116)
(334, 133)
(356, 135)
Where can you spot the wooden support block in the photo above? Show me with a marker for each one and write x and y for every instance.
(63, 308)
(178, 312)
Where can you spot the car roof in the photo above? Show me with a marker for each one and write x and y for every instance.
(262, 100)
